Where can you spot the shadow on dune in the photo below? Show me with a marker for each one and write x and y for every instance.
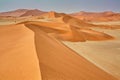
(68, 32)
(59, 62)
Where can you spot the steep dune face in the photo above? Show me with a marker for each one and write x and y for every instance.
(59, 62)
(76, 22)
(73, 36)
(18, 58)
(95, 16)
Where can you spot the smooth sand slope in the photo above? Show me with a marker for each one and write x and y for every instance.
(18, 58)
(105, 54)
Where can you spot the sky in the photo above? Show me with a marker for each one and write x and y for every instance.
(67, 6)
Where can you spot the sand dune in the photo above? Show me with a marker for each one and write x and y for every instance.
(18, 58)
(64, 18)
(70, 33)
(105, 54)
(32, 50)
(34, 12)
(22, 13)
(56, 61)
(59, 62)
(97, 16)
(14, 13)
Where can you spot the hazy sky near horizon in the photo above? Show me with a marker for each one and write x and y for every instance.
(61, 5)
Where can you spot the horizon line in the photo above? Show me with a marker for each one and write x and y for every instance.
(59, 11)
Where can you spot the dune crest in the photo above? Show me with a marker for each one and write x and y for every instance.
(70, 33)
(59, 62)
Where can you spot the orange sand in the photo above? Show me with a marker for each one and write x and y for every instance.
(33, 50)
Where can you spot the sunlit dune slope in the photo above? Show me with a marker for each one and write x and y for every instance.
(18, 58)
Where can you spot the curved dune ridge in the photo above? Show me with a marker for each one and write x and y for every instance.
(69, 32)
(32, 50)
(25, 46)
(67, 19)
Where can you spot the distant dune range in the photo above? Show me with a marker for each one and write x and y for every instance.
(32, 49)
(82, 15)
(22, 13)
(97, 16)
